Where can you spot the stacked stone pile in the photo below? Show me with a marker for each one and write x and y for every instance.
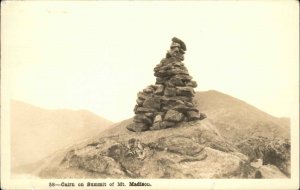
(170, 100)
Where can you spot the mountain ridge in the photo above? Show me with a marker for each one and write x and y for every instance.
(217, 106)
(46, 130)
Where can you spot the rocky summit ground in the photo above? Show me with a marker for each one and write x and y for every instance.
(227, 144)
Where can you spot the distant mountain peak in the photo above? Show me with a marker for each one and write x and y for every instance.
(43, 131)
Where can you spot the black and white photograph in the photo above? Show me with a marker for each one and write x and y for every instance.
(150, 94)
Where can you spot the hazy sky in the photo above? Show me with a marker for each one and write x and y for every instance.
(98, 55)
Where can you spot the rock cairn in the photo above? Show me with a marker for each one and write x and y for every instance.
(170, 100)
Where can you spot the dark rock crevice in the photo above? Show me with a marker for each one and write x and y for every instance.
(272, 151)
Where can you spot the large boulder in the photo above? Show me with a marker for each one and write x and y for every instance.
(153, 102)
(269, 172)
(174, 116)
(185, 91)
(170, 91)
(145, 110)
(138, 127)
(193, 115)
(141, 118)
(159, 90)
(182, 44)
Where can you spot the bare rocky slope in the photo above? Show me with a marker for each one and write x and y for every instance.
(236, 140)
(37, 133)
(254, 132)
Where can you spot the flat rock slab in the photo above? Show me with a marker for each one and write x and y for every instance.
(179, 145)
